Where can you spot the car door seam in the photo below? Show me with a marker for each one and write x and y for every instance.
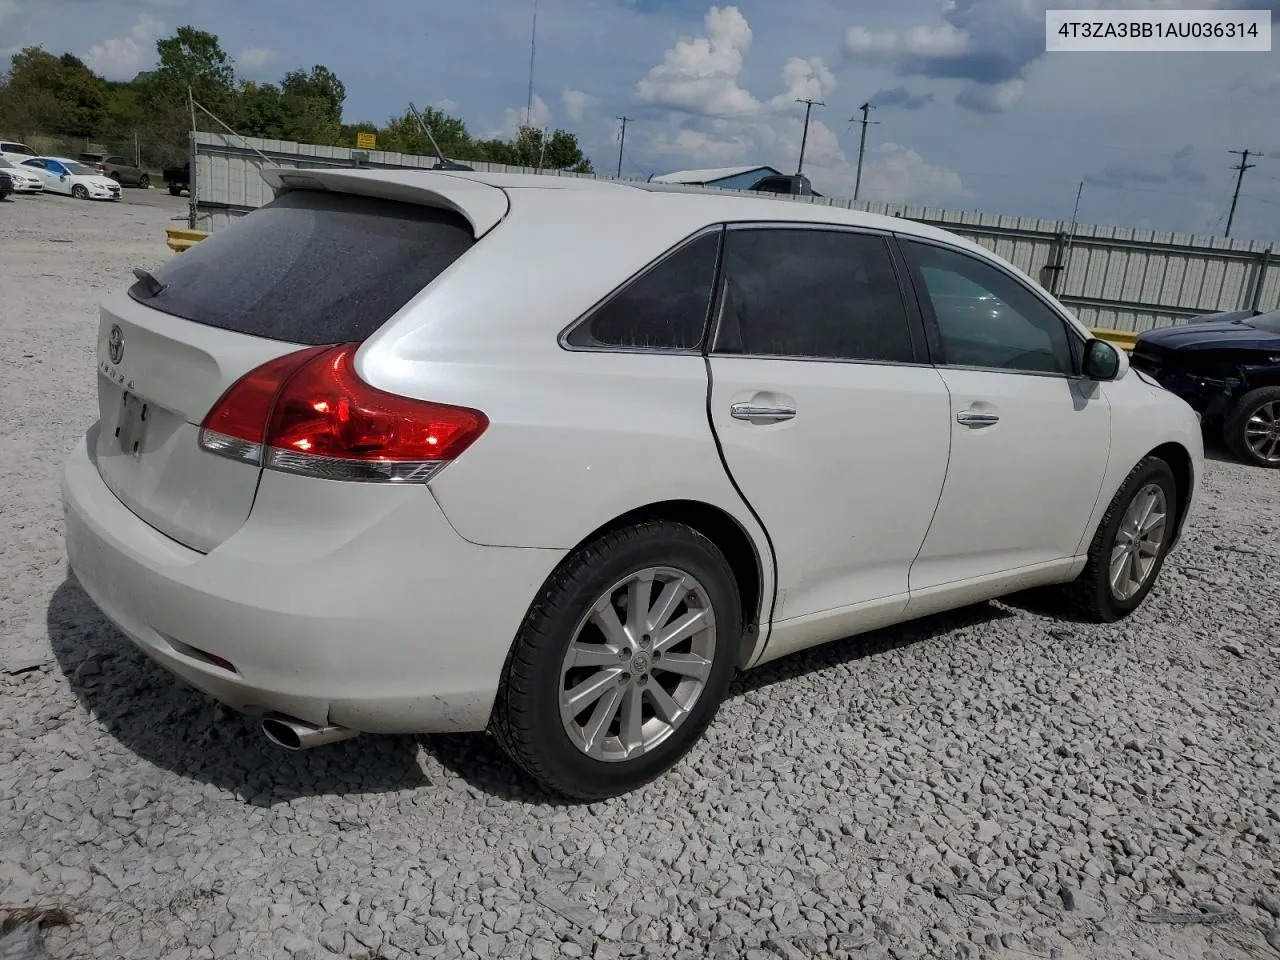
(766, 625)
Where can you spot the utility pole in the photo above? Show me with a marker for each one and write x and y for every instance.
(808, 108)
(862, 145)
(622, 142)
(1244, 156)
(533, 50)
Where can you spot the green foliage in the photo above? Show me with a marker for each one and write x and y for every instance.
(44, 95)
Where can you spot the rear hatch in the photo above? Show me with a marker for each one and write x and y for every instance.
(315, 266)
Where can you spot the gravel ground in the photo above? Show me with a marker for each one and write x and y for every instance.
(995, 782)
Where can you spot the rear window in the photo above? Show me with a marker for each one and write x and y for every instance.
(311, 267)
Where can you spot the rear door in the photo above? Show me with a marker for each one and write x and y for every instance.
(1030, 436)
(310, 268)
(832, 422)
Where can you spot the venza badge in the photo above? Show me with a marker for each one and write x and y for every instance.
(115, 343)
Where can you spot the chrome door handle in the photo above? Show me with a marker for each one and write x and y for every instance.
(746, 411)
(971, 419)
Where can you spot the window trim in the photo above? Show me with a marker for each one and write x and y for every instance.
(916, 328)
(1075, 340)
(699, 349)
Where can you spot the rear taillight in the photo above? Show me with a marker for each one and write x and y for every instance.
(308, 413)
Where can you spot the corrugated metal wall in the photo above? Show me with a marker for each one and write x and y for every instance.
(1112, 277)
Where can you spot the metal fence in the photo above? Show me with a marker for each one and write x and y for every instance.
(1112, 277)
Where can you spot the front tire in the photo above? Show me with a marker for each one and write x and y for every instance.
(621, 662)
(80, 192)
(1130, 545)
(144, 182)
(175, 190)
(1252, 429)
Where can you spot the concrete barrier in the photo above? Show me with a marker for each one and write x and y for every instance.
(1124, 339)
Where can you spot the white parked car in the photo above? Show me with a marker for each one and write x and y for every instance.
(24, 181)
(72, 178)
(15, 152)
(416, 451)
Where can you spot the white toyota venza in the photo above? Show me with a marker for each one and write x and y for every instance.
(407, 452)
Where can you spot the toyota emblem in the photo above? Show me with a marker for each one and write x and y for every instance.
(115, 344)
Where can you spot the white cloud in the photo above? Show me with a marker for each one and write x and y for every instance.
(896, 173)
(940, 40)
(123, 58)
(513, 120)
(718, 122)
(577, 102)
(992, 97)
(255, 58)
(446, 105)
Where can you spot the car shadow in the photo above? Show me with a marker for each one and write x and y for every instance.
(481, 763)
(162, 720)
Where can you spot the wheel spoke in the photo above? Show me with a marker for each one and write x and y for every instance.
(1154, 521)
(639, 593)
(591, 655)
(1119, 560)
(666, 604)
(684, 628)
(589, 691)
(631, 731)
(593, 734)
(685, 664)
(667, 709)
(605, 616)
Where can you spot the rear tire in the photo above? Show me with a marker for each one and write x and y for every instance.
(649, 713)
(80, 192)
(175, 190)
(144, 182)
(115, 177)
(1129, 547)
(1252, 428)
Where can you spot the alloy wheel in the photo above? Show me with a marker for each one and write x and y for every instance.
(1262, 432)
(638, 662)
(1138, 541)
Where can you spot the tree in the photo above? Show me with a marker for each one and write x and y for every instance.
(405, 135)
(322, 85)
(533, 148)
(52, 95)
(193, 59)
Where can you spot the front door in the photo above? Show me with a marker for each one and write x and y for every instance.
(831, 425)
(1030, 438)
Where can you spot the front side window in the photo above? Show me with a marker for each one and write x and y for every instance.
(986, 318)
(664, 308)
(819, 294)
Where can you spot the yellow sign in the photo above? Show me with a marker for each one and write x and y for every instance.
(366, 141)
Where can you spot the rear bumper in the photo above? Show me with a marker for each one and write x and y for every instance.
(351, 604)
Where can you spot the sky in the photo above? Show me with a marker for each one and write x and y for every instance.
(970, 111)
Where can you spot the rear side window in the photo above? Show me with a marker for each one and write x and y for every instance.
(830, 295)
(311, 267)
(664, 308)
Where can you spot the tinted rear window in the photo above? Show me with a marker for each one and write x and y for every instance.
(311, 267)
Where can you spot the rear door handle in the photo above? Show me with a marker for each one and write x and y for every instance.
(747, 411)
(971, 419)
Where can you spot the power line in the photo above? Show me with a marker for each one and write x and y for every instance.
(622, 142)
(808, 108)
(1242, 167)
(862, 146)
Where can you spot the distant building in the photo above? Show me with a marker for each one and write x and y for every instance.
(762, 178)
(728, 178)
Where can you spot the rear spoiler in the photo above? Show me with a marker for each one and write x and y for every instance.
(481, 204)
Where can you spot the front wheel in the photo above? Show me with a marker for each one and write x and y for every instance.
(621, 662)
(144, 182)
(80, 192)
(1130, 545)
(175, 190)
(1252, 429)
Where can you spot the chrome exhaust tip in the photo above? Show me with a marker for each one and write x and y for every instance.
(294, 734)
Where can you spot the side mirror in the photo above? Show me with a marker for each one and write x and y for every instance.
(1102, 360)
